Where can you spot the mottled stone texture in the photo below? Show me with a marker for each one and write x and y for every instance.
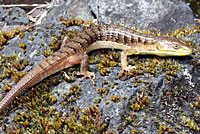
(72, 9)
(13, 16)
(162, 14)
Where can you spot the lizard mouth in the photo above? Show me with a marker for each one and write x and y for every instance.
(171, 52)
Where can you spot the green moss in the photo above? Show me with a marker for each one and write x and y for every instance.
(47, 53)
(115, 98)
(162, 129)
(103, 92)
(1, 47)
(22, 45)
(197, 103)
(31, 28)
(31, 38)
(139, 103)
(21, 35)
(69, 22)
(9, 67)
(36, 33)
(3, 40)
(187, 122)
(105, 63)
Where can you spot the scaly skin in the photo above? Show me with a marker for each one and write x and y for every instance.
(74, 51)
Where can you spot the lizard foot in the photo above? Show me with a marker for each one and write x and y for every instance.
(87, 74)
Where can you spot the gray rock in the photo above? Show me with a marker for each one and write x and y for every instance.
(13, 16)
(72, 9)
(162, 14)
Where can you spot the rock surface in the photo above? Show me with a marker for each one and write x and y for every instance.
(72, 9)
(163, 14)
(13, 16)
(143, 103)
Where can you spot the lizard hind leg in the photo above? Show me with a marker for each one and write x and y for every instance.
(84, 69)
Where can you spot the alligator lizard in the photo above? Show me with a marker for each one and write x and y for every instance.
(74, 51)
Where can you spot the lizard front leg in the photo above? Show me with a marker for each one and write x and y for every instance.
(124, 63)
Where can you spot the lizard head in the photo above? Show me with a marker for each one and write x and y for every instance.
(169, 46)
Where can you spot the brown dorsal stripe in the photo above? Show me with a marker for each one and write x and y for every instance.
(91, 33)
(57, 56)
(50, 61)
(90, 37)
(80, 43)
(70, 47)
(61, 51)
(112, 32)
(83, 38)
(95, 35)
(135, 38)
(41, 66)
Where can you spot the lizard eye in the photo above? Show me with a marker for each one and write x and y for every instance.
(176, 46)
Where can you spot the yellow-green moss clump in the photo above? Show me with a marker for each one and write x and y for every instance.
(103, 92)
(4, 38)
(139, 103)
(106, 61)
(197, 103)
(21, 35)
(115, 98)
(22, 45)
(31, 38)
(76, 22)
(11, 67)
(47, 53)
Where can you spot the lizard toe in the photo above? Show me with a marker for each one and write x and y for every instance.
(87, 74)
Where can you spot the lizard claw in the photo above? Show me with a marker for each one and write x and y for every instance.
(87, 74)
